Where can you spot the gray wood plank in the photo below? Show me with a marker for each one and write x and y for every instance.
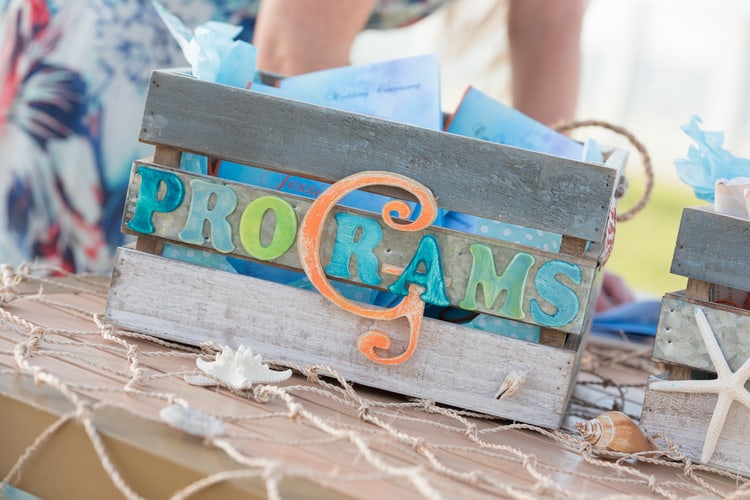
(452, 364)
(396, 248)
(678, 339)
(684, 419)
(713, 247)
(467, 175)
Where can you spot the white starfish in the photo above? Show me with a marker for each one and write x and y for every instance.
(238, 370)
(728, 386)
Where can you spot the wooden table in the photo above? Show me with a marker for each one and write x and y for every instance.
(87, 399)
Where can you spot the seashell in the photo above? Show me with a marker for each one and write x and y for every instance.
(237, 370)
(511, 384)
(614, 431)
(731, 196)
(192, 421)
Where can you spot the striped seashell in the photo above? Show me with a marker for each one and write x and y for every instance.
(615, 431)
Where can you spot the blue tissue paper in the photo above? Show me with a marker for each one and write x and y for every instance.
(707, 161)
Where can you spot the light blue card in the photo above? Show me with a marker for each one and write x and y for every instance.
(482, 117)
(402, 90)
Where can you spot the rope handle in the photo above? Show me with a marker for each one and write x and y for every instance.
(645, 159)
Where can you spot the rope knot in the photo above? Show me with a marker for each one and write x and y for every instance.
(689, 468)
(273, 471)
(294, 411)
(420, 446)
(585, 448)
(38, 375)
(312, 373)
(21, 352)
(23, 269)
(428, 406)
(35, 337)
(8, 281)
(471, 431)
(133, 354)
(210, 348)
(82, 412)
(261, 393)
(363, 410)
(474, 477)
(544, 486)
(138, 378)
(529, 460)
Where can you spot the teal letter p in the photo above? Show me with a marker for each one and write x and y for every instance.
(150, 200)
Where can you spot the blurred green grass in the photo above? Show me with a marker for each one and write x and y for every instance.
(644, 245)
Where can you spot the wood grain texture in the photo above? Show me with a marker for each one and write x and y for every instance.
(713, 247)
(396, 249)
(678, 339)
(264, 430)
(684, 418)
(167, 156)
(552, 338)
(696, 289)
(573, 246)
(149, 245)
(29, 408)
(467, 175)
(452, 365)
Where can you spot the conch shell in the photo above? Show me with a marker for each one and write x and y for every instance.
(732, 197)
(614, 431)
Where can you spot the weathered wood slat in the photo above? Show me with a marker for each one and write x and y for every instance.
(467, 175)
(678, 339)
(396, 249)
(684, 418)
(193, 304)
(713, 247)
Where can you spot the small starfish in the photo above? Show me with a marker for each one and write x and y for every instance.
(728, 386)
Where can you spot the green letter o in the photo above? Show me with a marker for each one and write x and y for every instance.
(285, 230)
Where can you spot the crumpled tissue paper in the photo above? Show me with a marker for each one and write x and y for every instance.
(707, 161)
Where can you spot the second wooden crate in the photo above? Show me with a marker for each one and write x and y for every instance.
(703, 336)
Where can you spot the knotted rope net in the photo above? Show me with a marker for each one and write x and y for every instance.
(317, 427)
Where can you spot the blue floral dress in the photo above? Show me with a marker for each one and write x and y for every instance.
(73, 74)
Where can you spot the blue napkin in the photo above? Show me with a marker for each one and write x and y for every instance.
(639, 318)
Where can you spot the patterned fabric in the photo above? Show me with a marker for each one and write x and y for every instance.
(391, 14)
(72, 79)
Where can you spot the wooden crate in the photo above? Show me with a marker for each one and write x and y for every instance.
(451, 364)
(712, 252)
